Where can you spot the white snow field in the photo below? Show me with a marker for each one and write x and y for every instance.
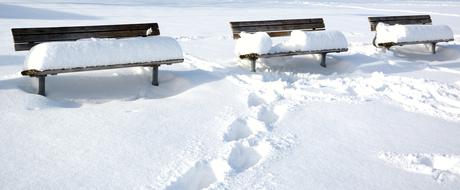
(372, 119)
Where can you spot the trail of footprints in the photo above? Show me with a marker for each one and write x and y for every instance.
(247, 138)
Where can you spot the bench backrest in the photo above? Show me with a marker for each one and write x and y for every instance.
(403, 20)
(277, 28)
(26, 38)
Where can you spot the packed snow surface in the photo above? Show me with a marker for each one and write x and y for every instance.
(259, 43)
(97, 52)
(312, 40)
(373, 119)
(412, 33)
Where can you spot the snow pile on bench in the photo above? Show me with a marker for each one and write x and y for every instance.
(412, 33)
(259, 43)
(313, 40)
(100, 52)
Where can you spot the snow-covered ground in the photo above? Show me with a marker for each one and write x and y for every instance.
(372, 120)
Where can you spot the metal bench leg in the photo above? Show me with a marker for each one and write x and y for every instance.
(41, 85)
(323, 60)
(433, 48)
(155, 75)
(253, 64)
(387, 47)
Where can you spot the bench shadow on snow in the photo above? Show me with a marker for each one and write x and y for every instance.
(22, 12)
(336, 64)
(73, 90)
(6, 60)
(423, 53)
(397, 60)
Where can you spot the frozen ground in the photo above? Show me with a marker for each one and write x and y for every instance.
(372, 120)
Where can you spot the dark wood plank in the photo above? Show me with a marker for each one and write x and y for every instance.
(74, 29)
(288, 27)
(276, 28)
(404, 20)
(76, 36)
(279, 33)
(408, 17)
(24, 46)
(415, 42)
(26, 38)
(34, 73)
(276, 22)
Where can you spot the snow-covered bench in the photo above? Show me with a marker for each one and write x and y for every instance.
(58, 50)
(307, 37)
(404, 30)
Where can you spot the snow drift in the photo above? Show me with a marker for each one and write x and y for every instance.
(259, 42)
(313, 40)
(97, 52)
(412, 33)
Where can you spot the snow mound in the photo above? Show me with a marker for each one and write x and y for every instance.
(438, 166)
(242, 128)
(313, 40)
(98, 52)
(203, 174)
(259, 43)
(243, 157)
(412, 33)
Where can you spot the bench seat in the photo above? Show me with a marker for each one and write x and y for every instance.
(56, 50)
(280, 28)
(293, 53)
(99, 53)
(408, 30)
(37, 73)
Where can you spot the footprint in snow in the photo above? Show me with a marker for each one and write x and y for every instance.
(205, 173)
(243, 157)
(201, 175)
(242, 128)
(262, 98)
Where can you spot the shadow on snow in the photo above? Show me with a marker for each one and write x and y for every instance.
(22, 12)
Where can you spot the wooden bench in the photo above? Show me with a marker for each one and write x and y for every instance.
(404, 20)
(280, 28)
(26, 38)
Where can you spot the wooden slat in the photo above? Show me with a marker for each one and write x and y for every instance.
(287, 27)
(76, 36)
(404, 20)
(415, 42)
(278, 33)
(76, 29)
(26, 38)
(389, 18)
(276, 28)
(24, 46)
(276, 22)
(101, 67)
(293, 53)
